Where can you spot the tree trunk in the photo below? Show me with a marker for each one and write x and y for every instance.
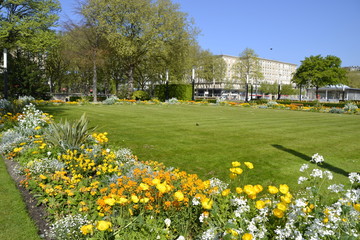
(94, 79)
(131, 81)
(317, 92)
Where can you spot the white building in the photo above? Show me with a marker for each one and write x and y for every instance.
(233, 88)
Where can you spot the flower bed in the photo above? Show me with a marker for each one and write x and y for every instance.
(92, 191)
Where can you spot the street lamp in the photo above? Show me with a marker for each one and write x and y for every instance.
(247, 88)
(193, 84)
(5, 74)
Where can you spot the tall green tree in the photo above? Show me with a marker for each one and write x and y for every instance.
(247, 68)
(26, 33)
(139, 30)
(317, 71)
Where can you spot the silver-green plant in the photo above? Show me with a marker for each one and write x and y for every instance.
(69, 134)
(350, 107)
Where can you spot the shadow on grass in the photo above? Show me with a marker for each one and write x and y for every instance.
(308, 158)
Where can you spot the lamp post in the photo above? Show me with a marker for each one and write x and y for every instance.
(193, 84)
(167, 85)
(5, 74)
(247, 88)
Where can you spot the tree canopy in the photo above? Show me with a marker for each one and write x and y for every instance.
(317, 71)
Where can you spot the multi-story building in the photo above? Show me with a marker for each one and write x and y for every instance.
(273, 72)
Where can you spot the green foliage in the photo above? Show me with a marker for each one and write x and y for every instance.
(247, 68)
(178, 91)
(354, 78)
(318, 71)
(268, 88)
(140, 95)
(69, 135)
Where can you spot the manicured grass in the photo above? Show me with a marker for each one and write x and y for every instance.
(14, 221)
(206, 139)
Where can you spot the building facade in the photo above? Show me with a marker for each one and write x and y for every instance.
(234, 89)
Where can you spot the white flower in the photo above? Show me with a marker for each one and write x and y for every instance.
(304, 167)
(317, 173)
(195, 201)
(354, 177)
(181, 238)
(328, 174)
(167, 222)
(316, 158)
(203, 216)
(301, 202)
(336, 188)
(302, 179)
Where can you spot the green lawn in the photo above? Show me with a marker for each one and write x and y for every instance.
(206, 139)
(14, 220)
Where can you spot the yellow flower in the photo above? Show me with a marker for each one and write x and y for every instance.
(260, 204)
(247, 236)
(357, 207)
(239, 190)
(249, 190)
(278, 213)
(282, 206)
(156, 181)
(225, 192)
(258, 188)
(285, 199)
(236, 164)
(144, 200)
(273, 189)
(17, 149)
(144, 186)
(110, 201)
(249, 165)
(87, 229)
(326, 220)
(42, 176)
(179, 196)
(134, 199)
(161, 187)
(232, 175)
(37, 128)
(207, 203)
(103, 225)
(233, 232)
(284, 189)
(236, 170)
(122, 200)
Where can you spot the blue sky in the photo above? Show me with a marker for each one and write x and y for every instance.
(293, 29)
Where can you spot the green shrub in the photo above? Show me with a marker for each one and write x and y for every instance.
(178, 91)
(140, 95)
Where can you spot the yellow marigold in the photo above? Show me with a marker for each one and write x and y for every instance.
(249, 165)
(249, 190)
(87, 229)
(232, 232)
(122, 200)
(17, 149)
(144, 186)
(156, 181)
(225, 192)
(232, 175)
(238, 190)
(258, 188)
(145, 200)
(236, 164)
(236, 170)
(207, 203)
(43, 176)
(110, 201)
(357, 207)
(260, 204)
(284, 189)
(273, 189)
(103, 225)
(278, 213)
(285, 199)
(247, 236)
(37, 128)
(282, 206)
(179, 196)
(134, 199)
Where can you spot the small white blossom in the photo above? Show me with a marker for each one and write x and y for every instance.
(354, 177)
(302, 179)
(317, 173)
(304, 167)
(316, 158)
(203, 216)
(167, 222)
(195, 201)
(336, 188)
(328, 174)
(181, 238)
